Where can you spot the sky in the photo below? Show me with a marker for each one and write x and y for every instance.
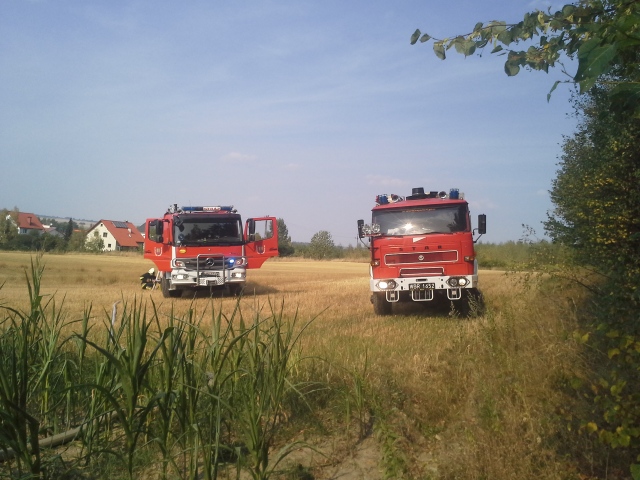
(299, 109)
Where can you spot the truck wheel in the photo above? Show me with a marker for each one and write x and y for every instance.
(235, 289)
(166, 293)
(472, 305)
(380, 304)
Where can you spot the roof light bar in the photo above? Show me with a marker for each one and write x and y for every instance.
(385, 198)
(225, 208)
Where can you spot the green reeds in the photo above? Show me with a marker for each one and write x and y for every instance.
(198, 395)
(31, 354)
(263, 386)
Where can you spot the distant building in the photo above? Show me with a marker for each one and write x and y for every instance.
(53, 231)
(27, 223)
(117, 236)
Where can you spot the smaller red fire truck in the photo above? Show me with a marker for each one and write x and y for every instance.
(200, 248)
(422, 250)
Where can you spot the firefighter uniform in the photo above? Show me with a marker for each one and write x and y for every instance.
(148, 279)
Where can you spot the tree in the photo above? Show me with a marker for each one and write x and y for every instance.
(77, 241)
(8, 226)
(603, 35)
(285, 247)
(321, 246)
(597, 216)
(95, 244)
(68, 231)
(595, 193)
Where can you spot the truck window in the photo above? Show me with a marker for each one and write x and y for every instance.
(192, 230)
(422, 220)
(264, 229)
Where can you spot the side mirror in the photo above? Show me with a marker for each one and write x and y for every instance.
(360, 225)
(482, 224)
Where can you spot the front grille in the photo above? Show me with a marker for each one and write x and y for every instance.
(203, 263)
(420, 257)
(421, 272)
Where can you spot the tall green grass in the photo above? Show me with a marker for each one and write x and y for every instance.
(200, 395)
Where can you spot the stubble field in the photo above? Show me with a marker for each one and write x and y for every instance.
(418, 394)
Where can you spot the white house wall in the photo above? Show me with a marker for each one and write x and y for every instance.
(108, 239)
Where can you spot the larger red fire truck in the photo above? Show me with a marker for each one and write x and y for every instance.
(198, 248)
(422, 250)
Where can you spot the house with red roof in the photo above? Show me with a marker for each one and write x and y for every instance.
(27, 223)
(116, 235)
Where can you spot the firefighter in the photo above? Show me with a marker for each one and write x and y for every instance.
(148, 279)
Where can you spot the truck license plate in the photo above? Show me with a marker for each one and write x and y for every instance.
(421, 286)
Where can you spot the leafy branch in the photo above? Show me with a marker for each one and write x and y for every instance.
(602, 36)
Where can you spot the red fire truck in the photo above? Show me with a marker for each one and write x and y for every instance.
(422, 250)
(199, 248)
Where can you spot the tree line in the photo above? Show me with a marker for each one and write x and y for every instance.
(71, 238)
(68, 237)
(321, 246)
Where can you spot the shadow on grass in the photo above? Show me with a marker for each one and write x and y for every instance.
(251, 289)
(427, 310)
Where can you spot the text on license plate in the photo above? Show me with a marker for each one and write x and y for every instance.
(421, 286)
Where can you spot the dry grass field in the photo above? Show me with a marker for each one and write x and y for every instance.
(418, 394)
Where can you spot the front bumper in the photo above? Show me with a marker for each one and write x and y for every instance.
(207, 278)
(423, 289)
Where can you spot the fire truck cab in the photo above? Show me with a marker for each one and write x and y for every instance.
(422, 250)
(207, 248)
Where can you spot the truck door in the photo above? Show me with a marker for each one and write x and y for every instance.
(156, 243)
(261, 237)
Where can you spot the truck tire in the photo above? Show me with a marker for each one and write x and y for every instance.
(165, 283)
(380, 304)
(472, 305)
(236, 289)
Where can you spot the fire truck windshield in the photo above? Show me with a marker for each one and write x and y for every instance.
(207, 230)
(422, 220)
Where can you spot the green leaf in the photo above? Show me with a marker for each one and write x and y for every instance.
(511, 69)
(498, 48)
(555, 85)
(505, 37)
(438, 49)
(415, 36)
(478, 27)
(635, 471)
(424, 38)
(593, 61)
(458, 43)
(497, 26)
(625, 96)
(469, 48)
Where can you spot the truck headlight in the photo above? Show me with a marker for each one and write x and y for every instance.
(386, 284)
(455, 282)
